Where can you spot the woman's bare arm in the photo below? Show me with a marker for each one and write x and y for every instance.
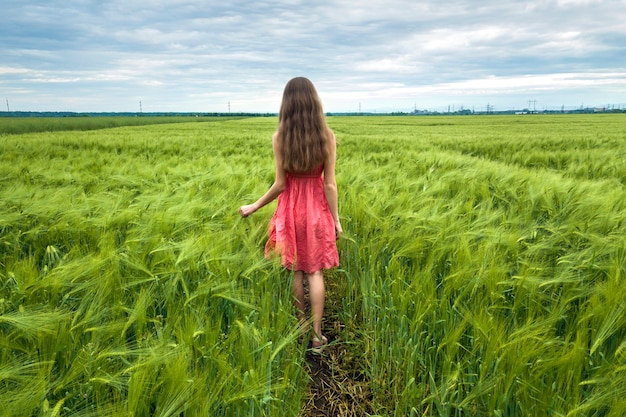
(330, 183)
(277, 187)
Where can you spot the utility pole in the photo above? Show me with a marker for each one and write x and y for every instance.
(8, 110)
(140, 107)
(229, 106)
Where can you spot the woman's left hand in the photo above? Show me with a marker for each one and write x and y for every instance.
(338, 230)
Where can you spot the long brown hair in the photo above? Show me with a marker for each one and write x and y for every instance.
(302, 129)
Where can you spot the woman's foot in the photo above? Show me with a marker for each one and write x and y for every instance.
(318, 343)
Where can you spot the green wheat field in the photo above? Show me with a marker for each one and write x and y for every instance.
(483, 269)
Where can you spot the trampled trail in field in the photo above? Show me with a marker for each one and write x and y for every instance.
(335, 389)
(337, 384)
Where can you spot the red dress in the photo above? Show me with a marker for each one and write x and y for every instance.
(302, 229)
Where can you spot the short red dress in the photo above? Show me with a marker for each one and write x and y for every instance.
(302, 230)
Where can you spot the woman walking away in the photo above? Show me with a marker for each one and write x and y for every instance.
(305, 225)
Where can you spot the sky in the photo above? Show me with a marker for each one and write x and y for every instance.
(368, 56)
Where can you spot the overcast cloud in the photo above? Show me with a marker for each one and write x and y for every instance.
(392, 55)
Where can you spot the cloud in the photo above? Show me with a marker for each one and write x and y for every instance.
(197, 56)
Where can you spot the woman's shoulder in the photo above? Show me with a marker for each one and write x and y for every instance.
(275, 142)
(330, 135)
(331, 140)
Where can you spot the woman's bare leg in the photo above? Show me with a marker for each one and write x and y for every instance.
(317, 296)
(298, 296)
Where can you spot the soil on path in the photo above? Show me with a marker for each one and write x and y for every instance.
(337, 385)
(334, 391)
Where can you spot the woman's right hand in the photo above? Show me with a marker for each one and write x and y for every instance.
(245, 211)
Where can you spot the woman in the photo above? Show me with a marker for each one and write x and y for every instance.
(305, 225)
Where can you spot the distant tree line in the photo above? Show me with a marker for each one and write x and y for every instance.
(130, 114)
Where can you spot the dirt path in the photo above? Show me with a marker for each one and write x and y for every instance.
(337, 387)
(333, 390)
